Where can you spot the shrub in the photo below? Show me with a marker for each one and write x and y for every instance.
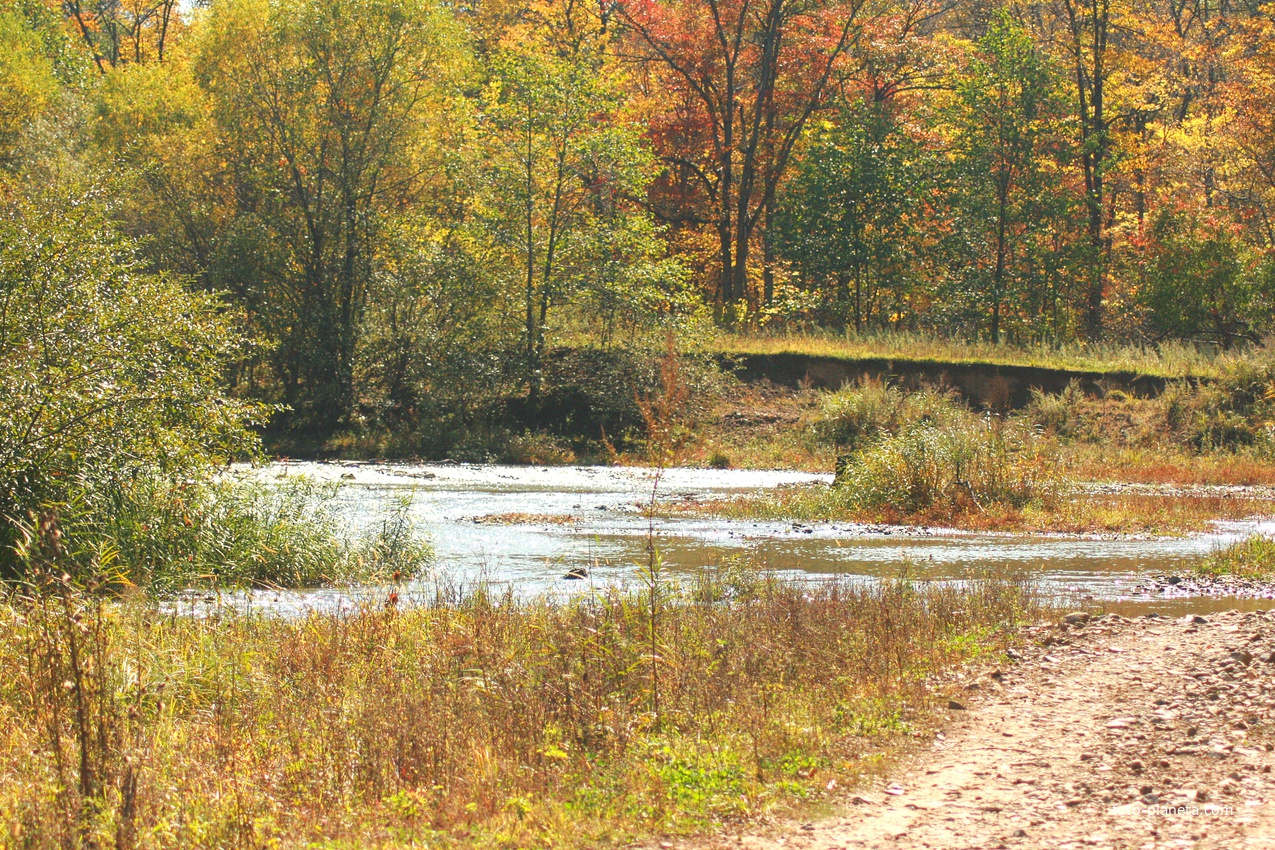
(1230, 413)
(1057, 412)
(165, 536)
(592, 392)
(105, 371)
(855, 416)
(967, 464)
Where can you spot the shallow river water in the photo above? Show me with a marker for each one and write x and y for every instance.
(527, 526)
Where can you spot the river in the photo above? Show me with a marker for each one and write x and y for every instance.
(526, 527)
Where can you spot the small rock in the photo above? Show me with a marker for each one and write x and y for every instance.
(1173, 580)
(954, 705)
(1198, 620)
(1020, 833)
(1136, 766)
(1076, 618)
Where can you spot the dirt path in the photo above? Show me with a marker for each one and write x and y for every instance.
(1142, 733)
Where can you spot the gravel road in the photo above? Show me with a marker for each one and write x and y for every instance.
(1119, 733)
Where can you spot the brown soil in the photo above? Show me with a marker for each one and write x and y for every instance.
(1147, 733)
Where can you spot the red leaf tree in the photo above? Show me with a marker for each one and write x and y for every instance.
(730, 85)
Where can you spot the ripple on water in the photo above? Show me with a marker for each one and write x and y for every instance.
(603, 532)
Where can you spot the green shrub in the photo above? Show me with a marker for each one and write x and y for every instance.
(977, 463)
(1057, 412)
(856, 416)
(106, 371)
(589, 392)
(1235, 411)
(165, 536)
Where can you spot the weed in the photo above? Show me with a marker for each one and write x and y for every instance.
(164, 536)
(1253, 558)
(969, 464)
(858, 415)
(1058, 413)
(472, 721)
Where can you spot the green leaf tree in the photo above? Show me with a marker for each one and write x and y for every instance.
(556, 189)
(324, 111)
(1004, 148)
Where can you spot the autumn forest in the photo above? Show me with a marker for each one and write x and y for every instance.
(387, 194)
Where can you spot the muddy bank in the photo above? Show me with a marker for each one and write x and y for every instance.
(984, 384)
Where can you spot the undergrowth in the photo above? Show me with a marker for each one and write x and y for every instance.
(469, 720)
(163, 536)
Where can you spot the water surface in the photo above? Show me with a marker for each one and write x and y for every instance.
(526, 527)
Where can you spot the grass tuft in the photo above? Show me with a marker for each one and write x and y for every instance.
(1253, 558)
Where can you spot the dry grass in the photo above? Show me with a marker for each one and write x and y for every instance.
(761, 426)
(1169, 360)
(465, 722)
(1115, 513)
(1168, 465)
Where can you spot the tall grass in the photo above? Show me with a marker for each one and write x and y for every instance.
(1058, 413)
(472, 720)
(1252, 558)
(859, 414)
(165, 536)
(964, 465)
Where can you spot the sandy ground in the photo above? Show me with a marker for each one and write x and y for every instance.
(1143, 733)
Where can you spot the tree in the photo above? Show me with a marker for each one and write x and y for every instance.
(27, 81)
(106, 371)
(1089, 29)
(558, 177)
(1200, 282)
(118, 32)
(322, 109)
(1003, 126)
(843, 215)
(740, 79)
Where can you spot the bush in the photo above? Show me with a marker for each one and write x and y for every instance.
(165, 536)
(1233, 412)
(594, 392)
(1057, 412)
(969, 464)
(856, 416)
(108, 371)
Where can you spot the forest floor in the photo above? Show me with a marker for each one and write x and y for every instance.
(1117, 733)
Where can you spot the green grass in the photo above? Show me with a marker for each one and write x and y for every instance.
(1253, 558)
(472, 721)
(1169, 360)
